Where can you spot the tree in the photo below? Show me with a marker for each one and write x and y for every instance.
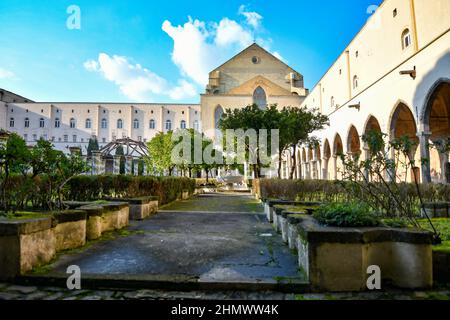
(160, 150)
(296, 127)
(14, 158)
(120, 152)
(248, 118)
(92, 146)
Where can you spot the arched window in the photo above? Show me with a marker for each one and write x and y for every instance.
(168, 125)
(152, 124)
(72, 123)
(218, 114)
(183, 124)
(136, 124)
(11, 122)
(41, 123)
(104, 124)
(260, 98)
(27, 122)
(406, 39)
(119, 124)
(88, 123)
(355, 82)
(196, 126)
(57, 123)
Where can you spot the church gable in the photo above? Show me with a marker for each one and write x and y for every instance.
(249, 64)
(249, 87)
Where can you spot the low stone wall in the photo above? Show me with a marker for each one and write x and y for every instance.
(105, 217)
(441, 267)
(69, 229)
(336, 259)
(140, 208)
(25, 244)
(437, 209)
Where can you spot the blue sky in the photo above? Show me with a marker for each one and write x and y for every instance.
(161, 51)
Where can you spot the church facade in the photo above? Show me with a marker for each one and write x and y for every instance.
(252, 76)
(394, 77)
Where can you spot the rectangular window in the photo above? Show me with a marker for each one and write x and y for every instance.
(74, 138)
(66, 138)
(25, 137)
(34, 137)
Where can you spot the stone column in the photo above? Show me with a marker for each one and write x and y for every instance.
(96, 158)
(128, 164)
(136, 167)
(366, 151)
(325, 168)
(245, 171)
(116, 164)
(425, 155)
(335, 167)
(144, 171)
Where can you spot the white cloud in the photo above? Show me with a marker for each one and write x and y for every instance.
(229, 32)
(6, 74)
(253, 18)
(199, 47)
(135, 81)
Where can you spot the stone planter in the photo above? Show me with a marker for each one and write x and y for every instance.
(140, 208)
(105, 217)
(24, 245)
(336, 259)
(292, 233)
(437, 209)
(441, 266)
(270, 203)
(69, 229)
(185, 195)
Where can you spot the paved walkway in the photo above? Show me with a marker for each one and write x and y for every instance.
(210, 238)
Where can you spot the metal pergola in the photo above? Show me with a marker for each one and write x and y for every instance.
(130, 146)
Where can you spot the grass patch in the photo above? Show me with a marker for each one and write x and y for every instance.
(23, 215)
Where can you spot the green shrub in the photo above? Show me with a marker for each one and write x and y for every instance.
(89, 188)
(346, 215)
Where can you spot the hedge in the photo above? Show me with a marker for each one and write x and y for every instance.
(167, 189)
(335, 191)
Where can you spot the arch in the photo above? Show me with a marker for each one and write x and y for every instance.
(260, 97)
(168, 125)
(372, 124)
(104, 123)
(119, 124)
(437, 125)
(403, 124)
(406, 39)
(338, 147)
(355, 82)
(218, 114)
(327, 169)
(353, 141)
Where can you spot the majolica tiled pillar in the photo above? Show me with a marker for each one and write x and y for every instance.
(128, 164)
(424, 138)
(116, 165)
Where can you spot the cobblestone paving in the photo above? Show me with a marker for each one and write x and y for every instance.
(15, 292)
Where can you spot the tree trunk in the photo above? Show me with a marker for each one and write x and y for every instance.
(294, 163)
(207, 175)
(279, 164)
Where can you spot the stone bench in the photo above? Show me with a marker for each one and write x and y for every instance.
(25, 244)
(141, 207)
(336, 259)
